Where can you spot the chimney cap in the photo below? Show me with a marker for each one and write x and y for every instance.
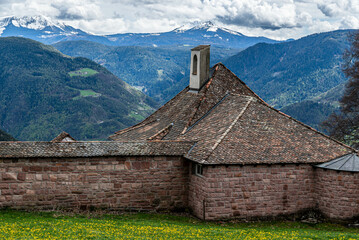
(200, 47)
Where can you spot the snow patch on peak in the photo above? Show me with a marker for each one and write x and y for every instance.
(33, 22)
(197, 25)
(232, 32)
(15, 23)
(209, 26)
(212, 29)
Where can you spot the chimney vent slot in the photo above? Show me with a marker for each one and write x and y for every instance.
(195, 65)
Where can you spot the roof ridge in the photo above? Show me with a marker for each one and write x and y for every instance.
(205, 115)
(137, 125)
(245, 85)
(167, 128)
(63, 135)
(208, 83)
(230, 127)
(335, 160)
(309, 127)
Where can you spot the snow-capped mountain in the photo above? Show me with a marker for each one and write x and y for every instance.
(45, 30)
(208, 26)
(191, 34)
(35, 22)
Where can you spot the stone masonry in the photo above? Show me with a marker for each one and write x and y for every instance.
(148, 183)
(337, 193)
(235, 191)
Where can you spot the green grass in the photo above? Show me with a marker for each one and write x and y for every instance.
(22, 225)
(85, 93)
(136, 116)
(83, 72)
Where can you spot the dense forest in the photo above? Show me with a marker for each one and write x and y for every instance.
(43, 92)
(160, 72)
(5, 136)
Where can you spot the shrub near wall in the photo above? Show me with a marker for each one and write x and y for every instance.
(151, 183)
(256, 191)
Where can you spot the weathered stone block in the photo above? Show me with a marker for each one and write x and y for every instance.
(21, 176)
(9, 176)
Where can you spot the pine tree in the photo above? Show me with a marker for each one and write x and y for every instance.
(344, 126)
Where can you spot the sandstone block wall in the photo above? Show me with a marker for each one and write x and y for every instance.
(151, 183)
(337, 193)
(253, 191)
(197, 195)
(164, 183)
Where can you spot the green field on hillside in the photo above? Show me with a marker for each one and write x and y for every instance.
(83, 72)
(44, 92)
(22, 225)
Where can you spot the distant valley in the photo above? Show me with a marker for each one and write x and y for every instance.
(43, 92)
(301, 77)
(160, 72)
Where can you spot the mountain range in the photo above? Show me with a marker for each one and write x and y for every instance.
(43, 92)
(157, 71)
(196, 33)
(45, 30)
(301, 77)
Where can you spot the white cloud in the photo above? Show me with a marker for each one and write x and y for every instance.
(278, 19)
(349, 22)
(80, 10)
(329, 10)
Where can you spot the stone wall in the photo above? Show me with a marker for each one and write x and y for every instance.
(197, 194)
(165, 183)
(337, 193)
(151, 183)
(255, 191)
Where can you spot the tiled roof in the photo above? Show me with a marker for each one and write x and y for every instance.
(93, 149)
(255, 134)
(232, 125)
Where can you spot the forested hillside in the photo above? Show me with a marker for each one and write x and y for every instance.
(5, 136)
(43, 92)
(291, 72)
(303, 78)
(160, 72)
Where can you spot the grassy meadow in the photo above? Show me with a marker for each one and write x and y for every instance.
(83, 72)
(23, 225)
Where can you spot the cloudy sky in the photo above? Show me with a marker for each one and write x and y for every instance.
(279, 19)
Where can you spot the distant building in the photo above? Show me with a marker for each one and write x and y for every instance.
(216, 148)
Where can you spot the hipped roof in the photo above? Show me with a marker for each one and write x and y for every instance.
(232, 125)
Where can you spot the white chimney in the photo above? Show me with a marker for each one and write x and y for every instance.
(200, 57)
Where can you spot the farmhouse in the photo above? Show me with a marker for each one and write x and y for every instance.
(216, 148)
